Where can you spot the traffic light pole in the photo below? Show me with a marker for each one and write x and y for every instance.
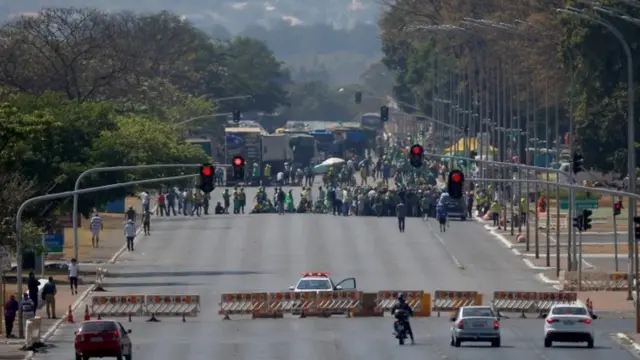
(76, 188)
(615, 239)
(19, 243)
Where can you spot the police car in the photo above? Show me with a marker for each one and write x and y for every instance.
(321, 281)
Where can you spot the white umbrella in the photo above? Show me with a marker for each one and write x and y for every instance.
(332, 161)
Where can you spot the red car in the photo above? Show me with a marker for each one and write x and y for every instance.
(102, 338)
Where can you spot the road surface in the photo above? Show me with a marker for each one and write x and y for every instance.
(215, 254)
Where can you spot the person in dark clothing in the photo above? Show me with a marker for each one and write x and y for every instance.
(219, 209)
(402, 305)
(401, 213)
(32, 285)
(10, 311)
(130, 215)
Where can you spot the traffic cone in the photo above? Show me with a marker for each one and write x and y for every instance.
(87, 317)
(70, 316)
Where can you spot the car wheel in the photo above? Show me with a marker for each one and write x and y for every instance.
(590, 344)
(457, 343)
(495, 343)
(548, 343)
(463, 219)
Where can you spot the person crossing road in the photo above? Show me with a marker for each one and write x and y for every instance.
(401, 213)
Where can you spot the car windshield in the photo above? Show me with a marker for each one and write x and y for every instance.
(98, 326)
(314, 284)
(568, 310)
(477, 312)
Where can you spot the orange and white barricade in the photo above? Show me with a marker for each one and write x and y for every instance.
(547, 299)
(173, 305)
(515, 301)
(447, 300)
(117, 305)
(386, 299)
(339, 302)
(243, 303)
(291, 302)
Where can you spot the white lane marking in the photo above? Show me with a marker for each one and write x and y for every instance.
(446, 248)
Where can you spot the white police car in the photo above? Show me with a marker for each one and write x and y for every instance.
(321, 281)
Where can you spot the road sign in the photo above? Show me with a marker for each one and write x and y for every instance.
(5, 258)
(580, 205)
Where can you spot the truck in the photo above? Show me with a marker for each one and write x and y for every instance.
(276, 150)
(204, 142)
(245, 142)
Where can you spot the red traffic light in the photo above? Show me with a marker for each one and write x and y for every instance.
(456, 177)
(207, 171)
(416, 150)
(238, 161)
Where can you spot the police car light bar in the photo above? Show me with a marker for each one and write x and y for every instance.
(315, 274)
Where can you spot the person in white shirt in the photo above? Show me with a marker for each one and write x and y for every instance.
(144, 197)
(96, 225)
(130, 234)
(280, 178)
(74, 269)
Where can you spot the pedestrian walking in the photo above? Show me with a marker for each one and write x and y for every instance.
(146, 223)
(96, 226)
(401, 213)
(49, 292)
(74, 270)
(130, 234)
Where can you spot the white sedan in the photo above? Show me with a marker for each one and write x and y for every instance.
(570, 323)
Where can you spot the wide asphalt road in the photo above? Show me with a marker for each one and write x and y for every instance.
(215, 254)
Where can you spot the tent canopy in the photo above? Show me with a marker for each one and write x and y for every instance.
(472, 142)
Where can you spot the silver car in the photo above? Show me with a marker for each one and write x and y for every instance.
(475, 324)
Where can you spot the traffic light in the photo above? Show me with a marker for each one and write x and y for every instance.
(636, 226)
(238, 167)
(455, 185)
(358, 96)
(415, 156)
(617, 208)
(586, 219)
(207, 174)
(577, 222)
(578, 163)
(384, 113)
(237, 115)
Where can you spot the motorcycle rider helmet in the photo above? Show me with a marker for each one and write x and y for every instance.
(401, 299)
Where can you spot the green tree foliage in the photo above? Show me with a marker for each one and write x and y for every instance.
(81, 88)
(578, 63)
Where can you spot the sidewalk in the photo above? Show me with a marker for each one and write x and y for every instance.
(110, 243)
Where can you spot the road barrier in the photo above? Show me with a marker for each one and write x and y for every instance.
(547, 299)
(172, 305)
(386, 299)
(243, 303)
(447, 300)
(290, 302)
(117, 305)
(338, 302)
(594, 281)
(515, 301)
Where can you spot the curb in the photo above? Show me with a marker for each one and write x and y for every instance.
(85, 294)
(625, 340)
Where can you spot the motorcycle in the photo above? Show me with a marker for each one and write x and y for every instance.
(400, 327)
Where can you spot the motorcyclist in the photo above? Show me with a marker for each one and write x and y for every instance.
(408, 311)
